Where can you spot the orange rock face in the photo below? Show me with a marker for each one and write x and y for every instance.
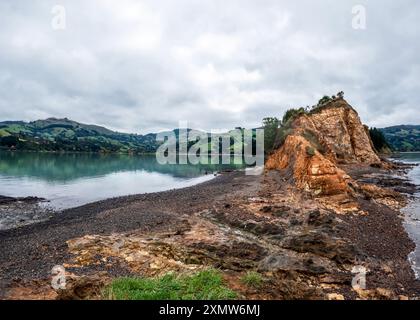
(312, 173)
(321, 141)
(338, 128)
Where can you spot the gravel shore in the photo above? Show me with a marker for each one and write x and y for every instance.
(30, 252)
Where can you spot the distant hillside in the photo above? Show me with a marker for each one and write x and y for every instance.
(404, 138)
(67, 135)
(64, 135)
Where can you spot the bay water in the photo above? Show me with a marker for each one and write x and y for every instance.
(71, 180)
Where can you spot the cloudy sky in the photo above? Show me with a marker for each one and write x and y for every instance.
(142, 66)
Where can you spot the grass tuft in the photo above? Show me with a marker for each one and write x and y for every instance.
(204, 285)
(253, 279)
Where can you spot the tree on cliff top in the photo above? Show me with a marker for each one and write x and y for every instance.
(324, 100)
(292, 114)
(271, 126)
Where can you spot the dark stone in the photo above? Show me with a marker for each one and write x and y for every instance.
(322, 245)
(266, 209)
(280, 213)
(314, 217)
(295, 222)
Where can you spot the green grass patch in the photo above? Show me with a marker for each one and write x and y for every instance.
(204, 285)
(253, 279)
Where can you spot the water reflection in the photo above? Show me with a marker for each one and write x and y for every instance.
(69, 180)
(67, 167)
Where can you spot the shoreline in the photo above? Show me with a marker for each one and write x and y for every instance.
(16, 212)
(91, 207)
(411, 223)
(233, 222)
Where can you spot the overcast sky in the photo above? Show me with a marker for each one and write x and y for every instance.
(142, 66)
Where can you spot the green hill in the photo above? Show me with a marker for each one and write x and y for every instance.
(64, 135)
(404, 138)
(67, 135)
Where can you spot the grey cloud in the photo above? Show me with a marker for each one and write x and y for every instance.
(142, 66)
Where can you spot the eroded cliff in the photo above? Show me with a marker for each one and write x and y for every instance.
(318, 143)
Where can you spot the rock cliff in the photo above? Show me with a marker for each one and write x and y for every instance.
(318, 143)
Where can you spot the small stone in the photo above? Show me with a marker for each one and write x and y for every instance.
(335, 296)
(387, 269)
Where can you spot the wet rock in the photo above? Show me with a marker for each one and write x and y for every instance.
(280, 214)
(281, 211)
(295, 222)
(284, 262)
(322, 245)
(234, 256)
(266, 209)
(263, 228)
(8, 200)
(18, 212)
(258, 225)
(315, 218)
(276, 210)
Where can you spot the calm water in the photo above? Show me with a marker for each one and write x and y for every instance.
(70, 180)
(412, 211)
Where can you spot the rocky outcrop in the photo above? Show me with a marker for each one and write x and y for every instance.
(8, 200)
(319, 142)
(339, 130)
(311, 171)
